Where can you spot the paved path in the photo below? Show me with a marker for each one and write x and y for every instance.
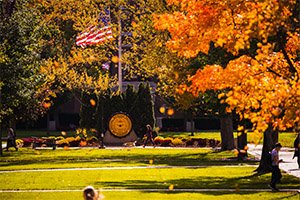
(114, 168)
(155, 190)
(289, 165)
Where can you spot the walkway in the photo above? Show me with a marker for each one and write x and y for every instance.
(112, 168)
(154, 190)
(289, 165)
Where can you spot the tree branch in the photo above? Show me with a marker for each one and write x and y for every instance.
(272, 71)
(281, 39)
(292, 69)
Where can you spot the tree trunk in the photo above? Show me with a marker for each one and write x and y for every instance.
(242, 136)
(227, 133)
(241, 143)
(99, 114)
(7, 7)
(13, 123)
(269, 140)
(1, 150)
(241, 140)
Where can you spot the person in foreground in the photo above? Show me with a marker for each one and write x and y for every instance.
(276, 174)
(89, 193)
(297, 149)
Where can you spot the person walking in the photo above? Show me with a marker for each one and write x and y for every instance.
(149, 135)
(297, 149)
(276, 174)
(11, 139)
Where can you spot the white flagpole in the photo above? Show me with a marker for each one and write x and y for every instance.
(120, 55)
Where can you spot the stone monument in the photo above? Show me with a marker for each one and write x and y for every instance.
(119, 130)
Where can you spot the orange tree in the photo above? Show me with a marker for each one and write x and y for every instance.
(151, 57)
(262, 85)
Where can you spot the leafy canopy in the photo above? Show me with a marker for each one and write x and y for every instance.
(21, 44)
(264, 85)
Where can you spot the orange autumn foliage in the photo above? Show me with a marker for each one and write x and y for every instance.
(264, 88)
(227, 23)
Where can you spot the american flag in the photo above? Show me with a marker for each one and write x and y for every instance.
(97, 34)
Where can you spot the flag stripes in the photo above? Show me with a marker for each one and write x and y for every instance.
(96, 34)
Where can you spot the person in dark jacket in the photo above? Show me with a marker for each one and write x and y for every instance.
(297, 149)
(276, 174)
(149, 135)
(11, 139)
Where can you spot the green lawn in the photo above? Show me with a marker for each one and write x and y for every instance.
(203, 177)
(27, 158)
(287, 139)
(137, 169)
(116, 195)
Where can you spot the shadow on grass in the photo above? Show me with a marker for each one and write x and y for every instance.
(203, 182)
(240, 195)
(180, 159)
(288, 196)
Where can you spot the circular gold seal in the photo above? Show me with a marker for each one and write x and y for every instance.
(120, 125)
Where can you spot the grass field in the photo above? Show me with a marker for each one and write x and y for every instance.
(208, 177)
(27, 158)
(136, 170)
(136, 195)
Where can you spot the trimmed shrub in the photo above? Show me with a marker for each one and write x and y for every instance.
(178, 142)
(158, 140)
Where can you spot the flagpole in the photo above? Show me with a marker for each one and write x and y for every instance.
(120, 55)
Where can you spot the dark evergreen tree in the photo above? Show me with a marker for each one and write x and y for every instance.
(116, 104)
(144, 110)
(129, 98)
(104, 111)
(87, 111)
(137, 104)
